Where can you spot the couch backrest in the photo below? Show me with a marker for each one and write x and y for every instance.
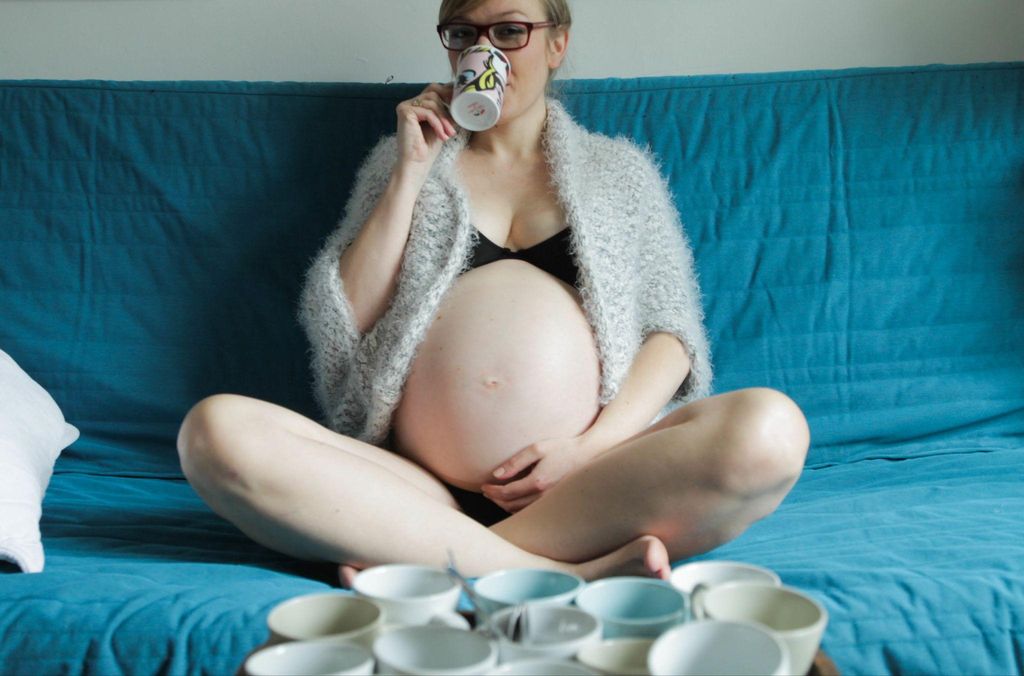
(859, 238)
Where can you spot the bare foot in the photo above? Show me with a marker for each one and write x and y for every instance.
(646, 556)
(347, 575)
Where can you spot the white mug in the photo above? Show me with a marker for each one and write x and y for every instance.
(794, 616)
(425, 649)
(625, 656)
(479, 88)
(326, 657)
(541, 668)
(333, 615)
(717, 647)
(634, 606)
(536, 586)
(709, 573)
(549, 632)
(408, 594)
(696, 578)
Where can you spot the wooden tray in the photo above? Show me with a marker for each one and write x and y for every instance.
(823, 665)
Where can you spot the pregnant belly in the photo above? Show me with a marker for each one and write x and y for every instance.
(509, 359)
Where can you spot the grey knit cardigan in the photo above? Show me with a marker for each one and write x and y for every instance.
(636, 273)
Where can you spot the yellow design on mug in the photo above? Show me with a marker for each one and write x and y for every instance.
(487, 80)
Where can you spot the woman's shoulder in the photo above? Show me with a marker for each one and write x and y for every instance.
(625, 163)
(621, 166)
(623, 150)
(620, 156)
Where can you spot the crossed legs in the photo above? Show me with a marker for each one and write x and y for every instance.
(696, 479)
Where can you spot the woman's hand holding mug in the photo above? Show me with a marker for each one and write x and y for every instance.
(424, 124)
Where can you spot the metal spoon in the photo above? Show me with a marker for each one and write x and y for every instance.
(483, 618)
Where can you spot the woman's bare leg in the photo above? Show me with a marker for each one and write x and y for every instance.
(696, 479)
(299, 488)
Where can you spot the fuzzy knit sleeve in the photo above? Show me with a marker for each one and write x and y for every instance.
(670, 297)
(325, 311)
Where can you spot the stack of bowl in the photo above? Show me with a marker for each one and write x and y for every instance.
(710, 617)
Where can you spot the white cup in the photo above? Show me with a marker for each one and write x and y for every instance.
(337, 658)
(716, 648)
(795, 617)
(697, 577)
(434, 650)
(336, 616)
(551, 632)
(408, 594)
(479, 87)
(504, 588)
(626, 656)
(451, 619)
(634, 606)
(541, 668)
(709, 573)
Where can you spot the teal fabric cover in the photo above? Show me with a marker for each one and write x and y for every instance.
(859, 237)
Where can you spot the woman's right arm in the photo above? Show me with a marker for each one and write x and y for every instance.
(369, 267)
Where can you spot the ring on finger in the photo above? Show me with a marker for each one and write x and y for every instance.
(416, 102)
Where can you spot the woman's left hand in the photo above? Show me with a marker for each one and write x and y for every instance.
(546, 463)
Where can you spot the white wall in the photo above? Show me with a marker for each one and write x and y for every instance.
(371, 40)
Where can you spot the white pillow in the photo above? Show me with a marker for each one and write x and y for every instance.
(32, 435)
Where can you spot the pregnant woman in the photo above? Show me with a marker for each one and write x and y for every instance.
(508, 352)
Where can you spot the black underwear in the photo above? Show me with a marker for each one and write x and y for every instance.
(552, 255)
(477, 506)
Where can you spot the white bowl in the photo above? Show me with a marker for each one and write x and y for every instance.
(336, 615)
(408, 594)
(626, 656)
(508, 587)
(541, 668)
(793, 615)
(429, 650)
(634, 606)
(552, 632)
(710, 573)
(716, 648)
(311, 657)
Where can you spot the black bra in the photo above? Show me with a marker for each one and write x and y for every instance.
(552, 255)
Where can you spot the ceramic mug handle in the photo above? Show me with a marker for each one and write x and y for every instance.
(696, 606)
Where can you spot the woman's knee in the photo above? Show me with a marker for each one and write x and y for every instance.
(212, 440)
(763, 441)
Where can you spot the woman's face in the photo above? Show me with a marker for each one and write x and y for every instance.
(531, 64)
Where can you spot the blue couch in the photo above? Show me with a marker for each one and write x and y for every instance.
(859, 236)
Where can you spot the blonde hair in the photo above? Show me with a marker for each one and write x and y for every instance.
(556, 10)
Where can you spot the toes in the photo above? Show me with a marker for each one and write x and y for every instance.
(656, 558)
(347, 575)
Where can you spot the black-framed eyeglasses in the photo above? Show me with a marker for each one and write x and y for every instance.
(505, 35)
